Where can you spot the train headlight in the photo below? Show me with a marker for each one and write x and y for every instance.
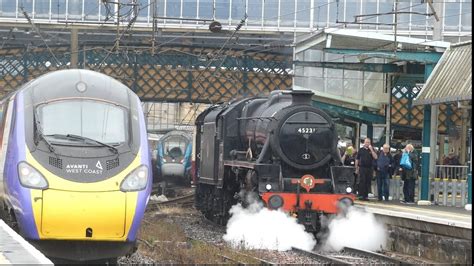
(30, 177)
(268, 187)
(136, 180)
(348, 189)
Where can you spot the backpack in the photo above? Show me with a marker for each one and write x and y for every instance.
(405, 161)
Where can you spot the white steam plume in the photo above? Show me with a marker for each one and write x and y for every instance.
(256, 227)
(356, 229)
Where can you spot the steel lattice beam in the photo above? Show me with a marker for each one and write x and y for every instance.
(174, 74)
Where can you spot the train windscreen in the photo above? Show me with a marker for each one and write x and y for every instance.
(100, 121)
(174, 148)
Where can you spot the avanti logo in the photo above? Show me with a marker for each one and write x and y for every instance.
(98, 165)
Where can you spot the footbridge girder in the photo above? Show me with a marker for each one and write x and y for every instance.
(173, 74)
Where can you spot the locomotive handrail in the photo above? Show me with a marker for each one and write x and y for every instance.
(259, 118)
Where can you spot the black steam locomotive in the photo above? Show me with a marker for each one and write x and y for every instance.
(280, 147)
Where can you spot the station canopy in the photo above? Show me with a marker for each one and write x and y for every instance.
(365, 40)
(451, 79)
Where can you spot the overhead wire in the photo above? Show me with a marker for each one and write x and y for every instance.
(263, 45)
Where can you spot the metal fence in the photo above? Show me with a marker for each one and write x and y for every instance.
(458, 172)
(445, 192)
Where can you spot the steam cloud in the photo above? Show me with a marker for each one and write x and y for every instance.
(357, 229)
(256, 227)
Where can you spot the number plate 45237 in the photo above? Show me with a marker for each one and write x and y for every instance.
(306, 130)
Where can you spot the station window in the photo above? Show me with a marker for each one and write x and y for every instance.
(8, 8)
(27, 5)
(254, 12)
(58, 9)
(320, 12)
(420, 22)
(238, 10)
(143, 7)
(173, 8)
(271, 13)
(74, 9)
(91, 10)
(222, 9)
(42, 9)
(385, 6)
(303, 13)
(189, 9)
(451, 15)
(206, 8)
(404, 19)
(369, 7)
(287, 13)
(466, 16)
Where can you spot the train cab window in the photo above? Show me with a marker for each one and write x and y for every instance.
(174, 147)
(100, 121)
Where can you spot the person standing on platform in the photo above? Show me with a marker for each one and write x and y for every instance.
(348, 159)
(409, 174)
(396, 161)
(384, 169)
(364, 168)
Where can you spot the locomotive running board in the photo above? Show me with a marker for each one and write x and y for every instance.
(243, 164)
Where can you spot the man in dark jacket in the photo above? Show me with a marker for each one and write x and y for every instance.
(364, 168)
(409, 176)
(384, 168)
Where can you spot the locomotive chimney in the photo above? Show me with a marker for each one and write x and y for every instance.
(301, 97)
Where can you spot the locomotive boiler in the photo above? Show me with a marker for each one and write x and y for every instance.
(279, 147)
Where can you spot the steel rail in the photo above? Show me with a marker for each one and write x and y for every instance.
(262, 261)
(371, 254)
(323, 258)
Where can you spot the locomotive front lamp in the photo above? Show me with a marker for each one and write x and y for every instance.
(275, 202)
(348, 189)
(268, 187)
(136, 180)
(30, 177)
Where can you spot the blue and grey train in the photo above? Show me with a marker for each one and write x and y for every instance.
(174, 155)
(75, 166)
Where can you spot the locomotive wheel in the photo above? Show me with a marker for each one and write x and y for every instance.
(215, 203)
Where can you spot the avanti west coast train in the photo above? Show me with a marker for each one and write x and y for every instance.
(174, 151)
(278, 147)
(75, 164)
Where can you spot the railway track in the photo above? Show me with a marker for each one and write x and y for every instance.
(351, 256)
(182, 201)
(324, 259)
(237, 256)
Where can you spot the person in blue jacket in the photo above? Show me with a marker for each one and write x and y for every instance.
(409, 175)
(384, 169)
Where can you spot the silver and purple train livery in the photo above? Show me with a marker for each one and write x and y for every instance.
(75, 173)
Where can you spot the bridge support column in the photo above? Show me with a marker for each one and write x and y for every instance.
(74, 47)
(370, 132)
(426, 141)
(469, 173)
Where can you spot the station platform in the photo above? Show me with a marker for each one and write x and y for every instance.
(449, 216)
(15, 250)
(438, 233)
